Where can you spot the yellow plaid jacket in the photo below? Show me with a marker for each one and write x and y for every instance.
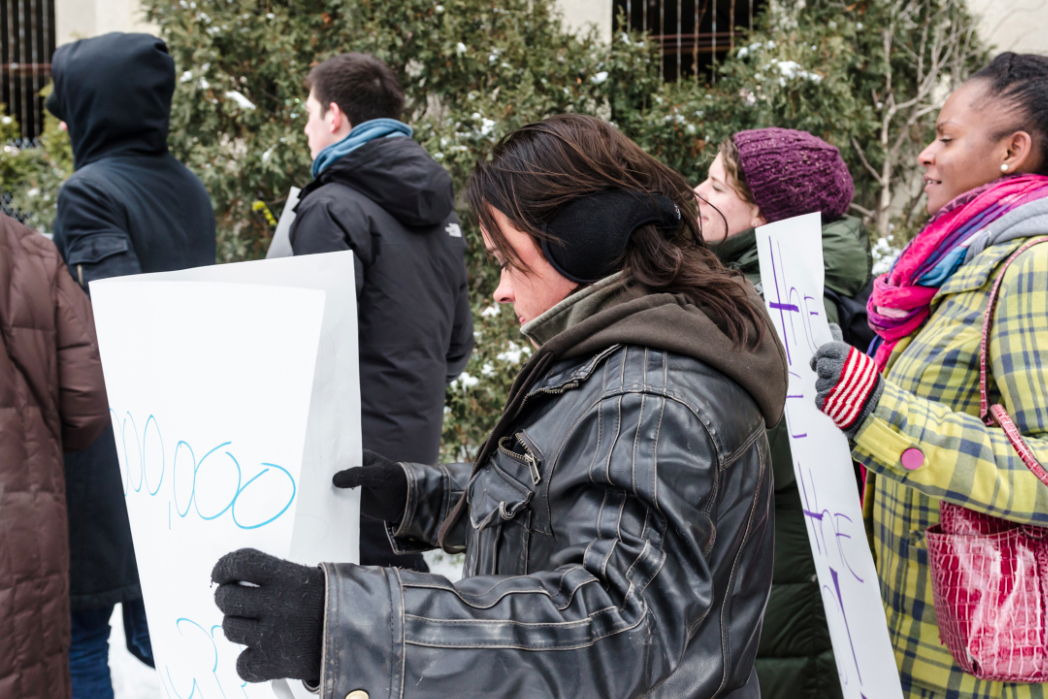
(931, 401)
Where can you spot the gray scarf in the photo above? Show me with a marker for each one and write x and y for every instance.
(1026, 221)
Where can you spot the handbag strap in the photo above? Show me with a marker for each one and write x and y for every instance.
(996, 415)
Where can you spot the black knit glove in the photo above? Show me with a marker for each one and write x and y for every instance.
(384, 486)
(848, 386)
(281, 621)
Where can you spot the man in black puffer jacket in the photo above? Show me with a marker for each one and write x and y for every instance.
(129, 208)
(378, 193)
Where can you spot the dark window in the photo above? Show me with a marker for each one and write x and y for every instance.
(693, 34)
(27, 40)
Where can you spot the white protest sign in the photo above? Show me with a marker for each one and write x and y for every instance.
(234, 396)
(792, 276)
(280, 246)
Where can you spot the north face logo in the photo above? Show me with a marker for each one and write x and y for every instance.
(454, 230)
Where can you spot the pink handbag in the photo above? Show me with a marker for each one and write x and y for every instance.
(989, 575)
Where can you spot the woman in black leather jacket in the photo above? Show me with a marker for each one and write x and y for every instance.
(617, 522)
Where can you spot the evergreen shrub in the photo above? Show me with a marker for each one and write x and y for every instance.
(474, 70)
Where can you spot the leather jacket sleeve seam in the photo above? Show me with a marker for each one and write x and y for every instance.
(403, 640)
(615, 542)
(510, 622)
(741, 450)
(591, 544)
(607, 559)
(483, 593)
(445, 499)
(655, 574)
(392, 632)
(571, 593)
(329, 678)
(540, 646)
(636, 440)
(662, 564)
(725, 645)
(410, 503)
(647, 545)
(445, 480)
(530, 591)
(600, 428)
(618, 432)
(655, 458)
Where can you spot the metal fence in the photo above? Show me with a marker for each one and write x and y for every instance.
(693, 34)
(27, 40)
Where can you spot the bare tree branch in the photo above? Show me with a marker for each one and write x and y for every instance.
(866, 213)
(866, 163)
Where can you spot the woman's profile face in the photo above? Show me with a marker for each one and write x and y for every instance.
(717, 194)
(972, 142)
(532, 290)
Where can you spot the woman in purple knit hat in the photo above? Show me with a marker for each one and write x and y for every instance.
(759, 177)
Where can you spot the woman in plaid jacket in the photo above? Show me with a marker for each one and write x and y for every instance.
(911, 408)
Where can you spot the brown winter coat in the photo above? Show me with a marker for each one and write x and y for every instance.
(51, 397)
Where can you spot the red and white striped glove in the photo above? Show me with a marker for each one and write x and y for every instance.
(848, 386)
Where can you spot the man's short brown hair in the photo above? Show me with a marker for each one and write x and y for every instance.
(362, 86)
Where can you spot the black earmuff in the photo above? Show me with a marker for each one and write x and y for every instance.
(590, 234)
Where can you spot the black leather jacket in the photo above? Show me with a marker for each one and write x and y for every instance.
(619, 544)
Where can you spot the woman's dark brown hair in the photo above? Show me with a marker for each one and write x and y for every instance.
(541, 167)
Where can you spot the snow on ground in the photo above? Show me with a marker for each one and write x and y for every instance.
(440, 563)
(134, 680)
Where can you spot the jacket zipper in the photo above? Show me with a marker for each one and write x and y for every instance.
(535, 475)
(528, 458)
(546, 391)
(533, 462)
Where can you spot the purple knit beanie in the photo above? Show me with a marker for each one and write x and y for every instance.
(792, 173)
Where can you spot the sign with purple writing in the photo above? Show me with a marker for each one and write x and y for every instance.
(792, 277)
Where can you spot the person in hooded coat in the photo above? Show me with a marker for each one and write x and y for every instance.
(130, 207)
(758, 177)
(378, 193)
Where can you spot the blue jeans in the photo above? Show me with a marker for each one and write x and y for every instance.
(89, 651)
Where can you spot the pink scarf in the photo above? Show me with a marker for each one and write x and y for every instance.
(901, 299)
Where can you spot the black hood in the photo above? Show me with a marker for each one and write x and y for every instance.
(114, 94)
(398, 175)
